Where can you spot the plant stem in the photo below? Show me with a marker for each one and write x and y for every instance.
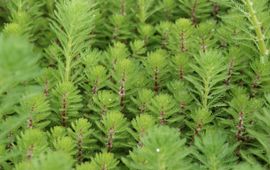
(68, 59)
(193, 12)
(258, 30)
(206, 93)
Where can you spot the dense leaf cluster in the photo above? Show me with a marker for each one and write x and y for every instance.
(134, 84)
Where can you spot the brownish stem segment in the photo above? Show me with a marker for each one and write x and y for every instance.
(196, 132)
(122, 93)
(230, 72)
(255, 84)
(80, 148)
(123, 8)
(64, 111)
(182, 44)
(164, 41)
(181, 73)
(240, 127)
(110, 139)
(215, 10)
(203, 45)
(30, 123)
(193, 13)
(46, 88)
(140, 144)
(10, 145)
(104, 167)
(30, 119)
(29, 153)
(182, 106)
(156, 84)
(142, 108)
(162, 119)
(94, 88)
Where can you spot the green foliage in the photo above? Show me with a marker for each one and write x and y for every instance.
(146, 34)
(205, 33)
(259, 78)
(213, 150)
(65, 144)
(180, 40)
(144, 10)
(31, 143)
(236, 64)
(157, 68)
(4, 13)
(200, 120)
(65, 103)
(104, 102)
(113, 127)
(180, 65)
(167, 9)
(242, 109)
(255, 13)
(163, 107)
(141, 124)
(124, 78)
(97, 77)
(162, 149)
(196, 10)
(13, 72)
(99, 162)
(18, 64)
(37, 108)
(73, 22)
(119, 27)
(47, 161)
(208, 82)
(25, 18)
(138, 48)
(82, 134)
(141, 101)
(246, 166)
(163, 29)
(122, 84)
(115, 53)
(181, 94)
(261, 134)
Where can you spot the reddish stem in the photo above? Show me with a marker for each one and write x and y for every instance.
(80, 148)
(162, 120)
(64, 111)
(182, 42)
(122, 93)
(240, 127)
(110, 139)
(156, 84)
(46, 88)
